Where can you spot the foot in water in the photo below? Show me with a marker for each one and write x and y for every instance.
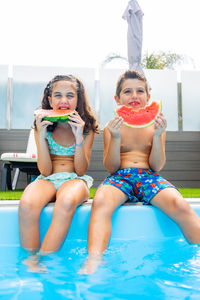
(91, 264)
(34, 262)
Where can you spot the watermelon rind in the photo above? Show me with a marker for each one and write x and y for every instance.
(145, 125)
(61, 119)
(64, 118)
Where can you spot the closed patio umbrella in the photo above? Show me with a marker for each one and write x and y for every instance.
(133, 14)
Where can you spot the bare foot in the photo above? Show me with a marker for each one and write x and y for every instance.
(33, 263)
(90, 266)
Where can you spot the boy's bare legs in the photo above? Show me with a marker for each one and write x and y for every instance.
(35, 197)
(71, 194)
(178, 209)
(105, 202)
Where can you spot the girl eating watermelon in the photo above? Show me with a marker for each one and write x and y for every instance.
(133, 156)
(63, 151)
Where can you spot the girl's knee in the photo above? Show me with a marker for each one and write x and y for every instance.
(27, 203)
(67, 203)
(30, 204)
(28, 209)
(69, 199)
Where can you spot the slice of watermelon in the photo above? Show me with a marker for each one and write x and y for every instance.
(144, 117)
(58, 115)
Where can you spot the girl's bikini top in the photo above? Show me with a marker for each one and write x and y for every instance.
(57, 149)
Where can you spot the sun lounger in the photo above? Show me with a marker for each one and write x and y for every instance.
(20, 162)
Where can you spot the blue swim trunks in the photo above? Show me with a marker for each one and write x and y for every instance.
(138, 184)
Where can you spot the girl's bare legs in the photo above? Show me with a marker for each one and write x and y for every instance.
(178, 209)
(35, 197)
(71, 194)
(105, 202)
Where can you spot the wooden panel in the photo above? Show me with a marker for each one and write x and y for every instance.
(182, 167)
(183, 146)
(185, 183)
(181, 175)
(187, 136)
(182, 156)
(13, 140)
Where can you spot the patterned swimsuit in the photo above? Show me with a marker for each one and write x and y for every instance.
(138, 184)
(59, 178)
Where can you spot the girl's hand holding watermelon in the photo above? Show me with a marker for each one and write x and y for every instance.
(77, 125)
(41, 125)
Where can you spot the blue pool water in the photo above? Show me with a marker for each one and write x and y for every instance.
(147, 258)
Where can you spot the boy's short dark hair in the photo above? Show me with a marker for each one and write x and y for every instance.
(130, 74)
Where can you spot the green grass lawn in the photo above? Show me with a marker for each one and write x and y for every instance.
(16, 195)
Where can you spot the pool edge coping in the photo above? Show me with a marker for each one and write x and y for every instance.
(192, 201)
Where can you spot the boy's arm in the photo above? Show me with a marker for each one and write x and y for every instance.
(157, 156)
(112, 141)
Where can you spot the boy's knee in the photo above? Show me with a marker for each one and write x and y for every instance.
(100, 202)
(180, 206)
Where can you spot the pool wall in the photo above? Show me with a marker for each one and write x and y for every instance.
(128, 222)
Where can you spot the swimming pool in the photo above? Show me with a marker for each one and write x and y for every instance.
(147, 258)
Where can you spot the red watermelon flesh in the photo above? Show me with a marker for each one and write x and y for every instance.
(57, 115)
(139, 118)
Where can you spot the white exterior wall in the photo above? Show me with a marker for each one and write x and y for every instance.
(191, 100)
(28, 86)
(163, 88)
(3, 95)
(107, 84)
(29, 83)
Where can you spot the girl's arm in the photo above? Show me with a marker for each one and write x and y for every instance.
(112, 141)
(83, 149)
(157, 156)
(43, 156)
(83, 146)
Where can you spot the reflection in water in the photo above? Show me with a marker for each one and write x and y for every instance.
(166, 268)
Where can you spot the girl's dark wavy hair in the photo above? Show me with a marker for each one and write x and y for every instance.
(83, 107)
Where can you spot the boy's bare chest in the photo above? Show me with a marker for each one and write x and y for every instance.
(139, 139)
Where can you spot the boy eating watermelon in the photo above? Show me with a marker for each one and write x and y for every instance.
(133, 156)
